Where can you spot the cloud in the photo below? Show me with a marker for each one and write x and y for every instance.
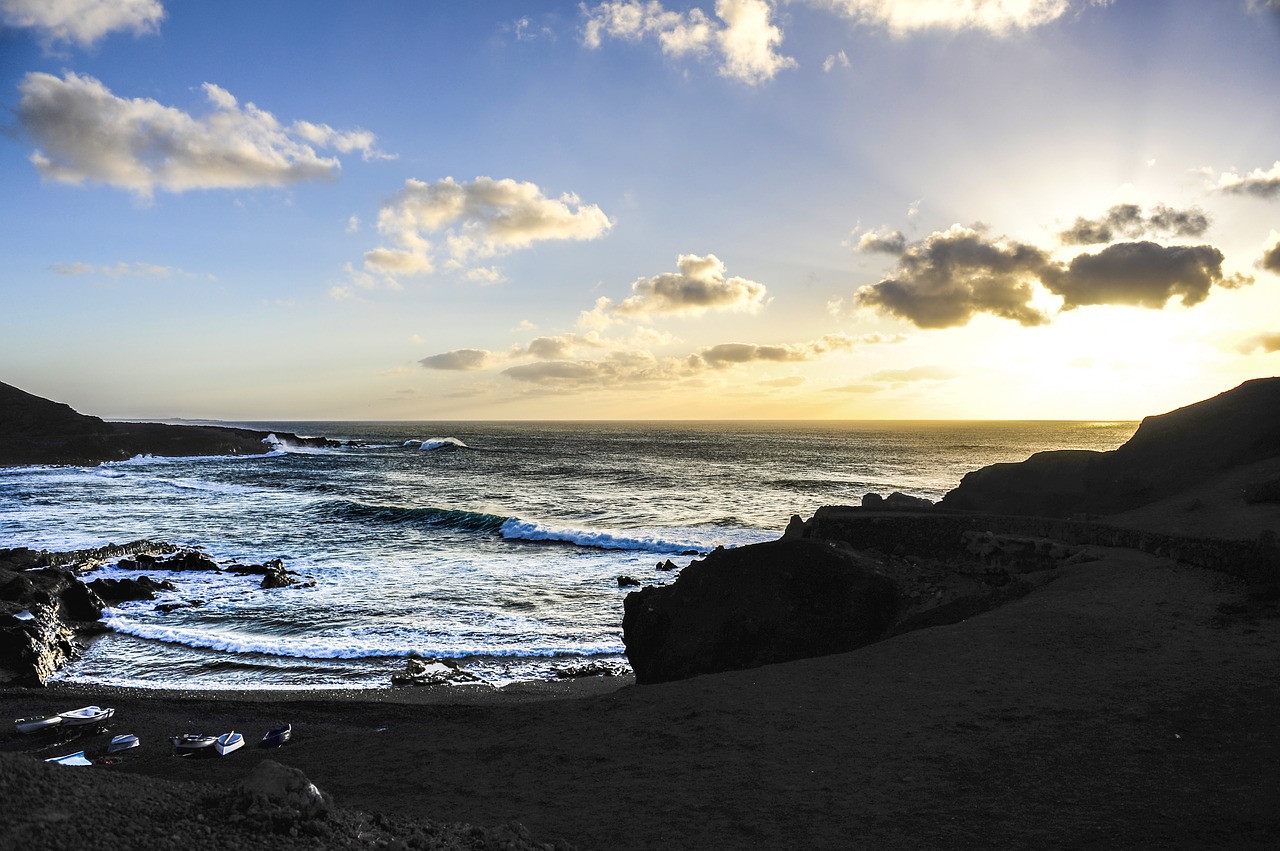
(745, 40)
(465, 360)
(1268, 342)
(1258, 183)
(729, 354)
(906, 17)
(480, 219)
(915, 373)
(883, 241)
(839, 58)
(120, 270)
(620, 369)
(789, 381)
(83, 21)
(1271, 257)
(1128, 221)
(953, 275)
(86, 133)
(1143, 274)
(699, 286)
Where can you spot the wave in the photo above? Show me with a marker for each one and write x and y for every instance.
(343, 646)
(523, 530)
(445, 518)
(431, 444)
(510, 528)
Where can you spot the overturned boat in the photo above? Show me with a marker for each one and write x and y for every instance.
(122, 743)
(277, 736)
(228, 742)
(77, 758)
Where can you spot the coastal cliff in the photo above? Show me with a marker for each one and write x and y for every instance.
(34, 430)
(1005, 531)
(1168, 454)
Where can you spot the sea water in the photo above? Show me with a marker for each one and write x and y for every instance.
(495, 545)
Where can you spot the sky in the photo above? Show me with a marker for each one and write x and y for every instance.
(728, 209)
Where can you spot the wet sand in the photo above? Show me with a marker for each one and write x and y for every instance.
(1131, 702)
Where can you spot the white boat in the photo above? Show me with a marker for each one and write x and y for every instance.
(192, 742)
(36, 724)
(77, 758)
(228, 742)
(122, 743)
(86, 715)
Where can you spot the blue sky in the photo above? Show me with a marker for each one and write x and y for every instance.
(836, 208)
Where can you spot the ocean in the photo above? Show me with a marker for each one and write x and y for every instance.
(496, 546)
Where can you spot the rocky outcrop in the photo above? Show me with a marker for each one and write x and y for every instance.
(753, 606)
(113, 591)
(1168, 454)
(41, 611)
(38, 431)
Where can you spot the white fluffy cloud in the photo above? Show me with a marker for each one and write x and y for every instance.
(744, 41)
(474, 220)
(83, 21)
(86, 133)
(999, 17)
(699, 286)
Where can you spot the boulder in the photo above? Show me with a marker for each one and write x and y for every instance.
(755, 605)
(625, 581)
(41, 612)
(278, 792)
(904, 502)
(114, 591)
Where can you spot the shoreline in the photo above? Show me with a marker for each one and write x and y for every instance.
(1129, 702)
(462, 694)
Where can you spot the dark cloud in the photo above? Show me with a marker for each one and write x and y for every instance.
(1127, 221)
(1271, 257)
(1268, 342)
(458, 359)
(1258, 183)
(727, 354)
(1141, 273)
(945, 280)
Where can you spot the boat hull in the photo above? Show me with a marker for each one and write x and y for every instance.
(35, 725)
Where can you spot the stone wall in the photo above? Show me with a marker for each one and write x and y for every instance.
(943, 535)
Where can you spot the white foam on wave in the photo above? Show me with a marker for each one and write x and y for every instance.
(441, 443)
(525, 530)
(343, 646)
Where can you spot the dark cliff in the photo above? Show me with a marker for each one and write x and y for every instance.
(1168, 454)
(37, 431)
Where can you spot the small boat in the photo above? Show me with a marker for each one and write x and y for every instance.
(86, 715)
(36, 724)
(77, 758)
(189, 743)
(276, 737)
(122, 743)
(228, 742)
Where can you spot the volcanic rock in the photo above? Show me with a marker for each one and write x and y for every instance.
(752, 606)
(34, 430)
(1168, 454)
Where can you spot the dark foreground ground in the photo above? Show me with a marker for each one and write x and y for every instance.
(1130, 703)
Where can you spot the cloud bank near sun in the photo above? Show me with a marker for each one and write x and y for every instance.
(947, 278)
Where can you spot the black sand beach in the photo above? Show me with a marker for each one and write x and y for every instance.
(1131, 702)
